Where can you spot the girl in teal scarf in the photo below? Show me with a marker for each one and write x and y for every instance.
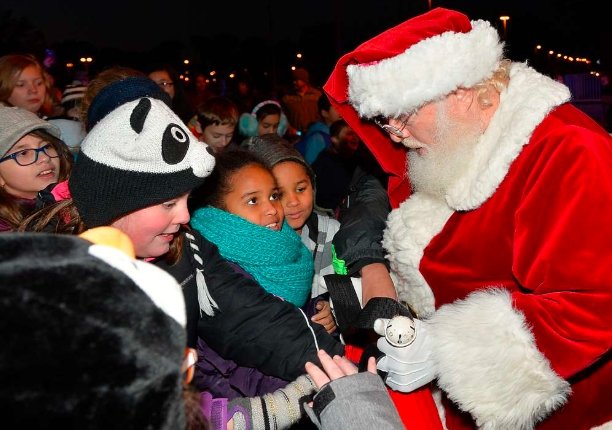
(244, 217)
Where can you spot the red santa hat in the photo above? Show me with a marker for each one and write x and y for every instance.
(413, 63)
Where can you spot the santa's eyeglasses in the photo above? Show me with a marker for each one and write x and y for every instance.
(383, 123)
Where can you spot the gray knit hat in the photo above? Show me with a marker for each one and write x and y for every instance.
(273, 149)
(17, 122)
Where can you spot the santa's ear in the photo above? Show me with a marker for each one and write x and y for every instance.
(463, 94)
(464, 97)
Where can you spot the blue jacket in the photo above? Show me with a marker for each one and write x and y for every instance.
(314, 141)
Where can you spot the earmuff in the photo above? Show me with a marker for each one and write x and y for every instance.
(247, 124)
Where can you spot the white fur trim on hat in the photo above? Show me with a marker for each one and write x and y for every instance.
(426, 71)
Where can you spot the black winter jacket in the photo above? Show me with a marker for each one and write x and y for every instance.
(363, 217)
(251, 327)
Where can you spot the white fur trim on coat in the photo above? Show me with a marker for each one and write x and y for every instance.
(427, 70)
(530, 96)
(489, 365)
(409, 230)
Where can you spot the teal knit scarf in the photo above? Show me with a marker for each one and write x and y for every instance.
(277, 260)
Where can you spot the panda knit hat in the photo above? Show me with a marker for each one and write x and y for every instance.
(92, 338)
(138, 154)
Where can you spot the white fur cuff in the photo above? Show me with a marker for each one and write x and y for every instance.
(489, 365)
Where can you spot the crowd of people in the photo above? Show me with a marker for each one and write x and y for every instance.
(243, 261)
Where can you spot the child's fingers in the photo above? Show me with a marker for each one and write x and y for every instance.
(346, 366)
(326, 320)
(322, 315)
(372, 365)
(322, 304)
(318, 376)
(330, 366)
(317, 317)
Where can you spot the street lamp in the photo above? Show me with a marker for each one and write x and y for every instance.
(504, 19)
(86, 61)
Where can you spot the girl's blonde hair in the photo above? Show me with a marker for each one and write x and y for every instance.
(10, 67)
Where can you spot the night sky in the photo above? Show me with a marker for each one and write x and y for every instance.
(333, 26)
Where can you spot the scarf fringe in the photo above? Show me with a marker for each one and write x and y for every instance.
(206, 302)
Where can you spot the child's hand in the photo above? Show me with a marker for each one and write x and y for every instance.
(334, 368)
(324, 316)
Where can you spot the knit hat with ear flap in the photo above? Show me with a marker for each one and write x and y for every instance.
(138, 154)
(415, 62)
(92, 339)
(273, 149)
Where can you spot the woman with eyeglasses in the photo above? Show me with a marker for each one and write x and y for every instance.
(32, 160)
(169, 81)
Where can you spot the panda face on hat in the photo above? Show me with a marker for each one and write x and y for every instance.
(138, 155)
(144, 135)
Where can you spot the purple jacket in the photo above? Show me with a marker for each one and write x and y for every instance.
(224, 378)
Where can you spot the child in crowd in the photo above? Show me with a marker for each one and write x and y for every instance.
(23, 83)
(242, 200)
(72, 129)
(136, 168)
(296, 180)
(335, 165)
(32, 160)
(168, 80)
(317, 137)
(243, 216)
(266, 117)
(215, 122)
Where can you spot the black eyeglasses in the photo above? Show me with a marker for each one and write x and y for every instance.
(25, 157)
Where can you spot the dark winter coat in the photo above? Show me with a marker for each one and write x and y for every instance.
(251, 327)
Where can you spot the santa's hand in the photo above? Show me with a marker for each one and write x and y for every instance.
(407, 348)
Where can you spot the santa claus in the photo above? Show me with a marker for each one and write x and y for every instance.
(500, 237)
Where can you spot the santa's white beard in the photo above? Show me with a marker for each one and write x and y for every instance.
(441, 164)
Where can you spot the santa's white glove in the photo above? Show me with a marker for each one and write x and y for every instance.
(407, 348)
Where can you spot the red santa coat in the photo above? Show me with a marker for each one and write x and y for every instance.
(514, 269)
